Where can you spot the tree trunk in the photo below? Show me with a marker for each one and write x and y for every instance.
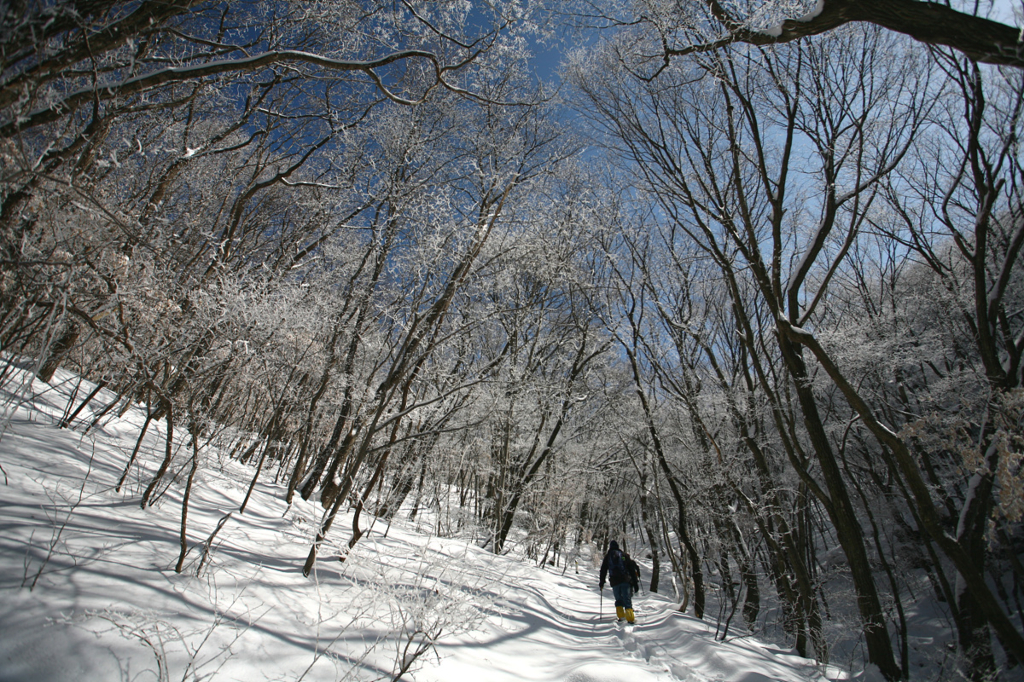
(168, 412)
(65, 423)
(185, 498)
(135, 451)
(59, 350)
(843, 516)
(652, 539)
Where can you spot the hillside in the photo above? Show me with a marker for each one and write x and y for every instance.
(107, 604)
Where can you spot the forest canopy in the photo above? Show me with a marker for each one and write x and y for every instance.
(742, 287)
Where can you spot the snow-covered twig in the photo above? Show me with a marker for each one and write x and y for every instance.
(58, 525)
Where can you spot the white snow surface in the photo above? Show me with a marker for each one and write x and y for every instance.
(813, 13)
(107, 604)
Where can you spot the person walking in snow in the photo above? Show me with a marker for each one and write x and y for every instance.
(622, 573)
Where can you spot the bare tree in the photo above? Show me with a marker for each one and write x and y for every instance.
(714, 141)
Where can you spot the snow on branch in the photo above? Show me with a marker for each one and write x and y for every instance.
(130, 86)
(978, 38)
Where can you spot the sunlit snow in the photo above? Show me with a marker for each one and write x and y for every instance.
(107, 604)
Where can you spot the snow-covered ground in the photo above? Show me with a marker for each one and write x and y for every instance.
(108, 605)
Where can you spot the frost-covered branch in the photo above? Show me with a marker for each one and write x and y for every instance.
(932, 23)
(110, 90)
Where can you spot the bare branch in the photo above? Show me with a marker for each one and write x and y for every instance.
(932, 23)
(106, 91)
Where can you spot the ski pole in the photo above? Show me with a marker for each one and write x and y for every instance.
(600, 611)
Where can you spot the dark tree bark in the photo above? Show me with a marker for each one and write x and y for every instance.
(652, 534)
(183, 542)
(66, 422)
(61, 347)
(135, 451)
(931, 23)
(167, 409)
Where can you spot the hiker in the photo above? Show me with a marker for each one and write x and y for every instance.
(622, 573)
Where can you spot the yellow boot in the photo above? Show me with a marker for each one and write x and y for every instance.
(620, 612)
(630, 618)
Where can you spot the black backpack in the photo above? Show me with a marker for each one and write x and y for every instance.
(616, 566)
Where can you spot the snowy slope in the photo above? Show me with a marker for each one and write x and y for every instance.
(107, 604)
